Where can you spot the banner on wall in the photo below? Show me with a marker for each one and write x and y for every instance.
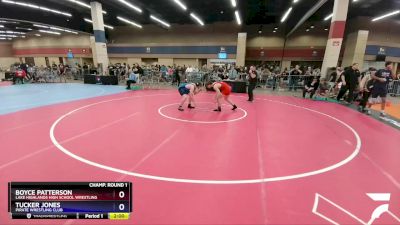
(222, 53)
(222, 61)
(70, 55)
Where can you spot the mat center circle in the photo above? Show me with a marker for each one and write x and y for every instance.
(203, 113)
(294, 175)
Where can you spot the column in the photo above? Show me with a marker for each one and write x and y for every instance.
(286, 64)
(98, 41)
(336, 33)
(395, 71)
(241, 49)
(356, 44)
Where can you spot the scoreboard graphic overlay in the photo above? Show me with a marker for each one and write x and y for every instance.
(70, 200)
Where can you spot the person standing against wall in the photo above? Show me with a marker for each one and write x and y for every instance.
(294, 76)
(177, 77)
(252, 77)
(62, 73)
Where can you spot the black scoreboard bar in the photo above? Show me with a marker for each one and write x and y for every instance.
(70, 200)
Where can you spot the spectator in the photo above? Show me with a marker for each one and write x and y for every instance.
(252, 82)
(140, 71)
(333, 79)
(170, 71)
(350, 79)
(294, 77)
(133, 77)
(285, 74)
(308, 75)
(233, 74)
(311, 88)
(24, 67)
(382, 79)
(61, 72)
(220, 72)
(54, 67)
(308, 71)
(323, 89)
(334, 76)
(20, 75)
(163, 71)
(30, 75)
(85, 69)
(275, 80)
(366, 85)
(112, 70)
(316, 72)
(177, 77)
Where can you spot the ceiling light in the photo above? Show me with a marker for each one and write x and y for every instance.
(197, 19)
(7, 35)
(37, 7)
(107, 26)
(41, 26)
(160, 21)
(260, 29)
(5, 21)
(64, 30)
(307, 30)
(294, 1)
(56, 28)
(312, 26)
(274, 31)
(238, 20)
(326, 29)
(285, 16)
(70, 31)
(38, 35)
(50, 32)
(84, 4)
(233, 3)
(275, 28)
(10, 32)
(180, 4)
(328, 17)
(131, 6)
(22, 28)
(1, 26)
(130, 22)
(2, 38)
(386, 15)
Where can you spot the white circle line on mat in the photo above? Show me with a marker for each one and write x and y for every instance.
(200, 122)
(215, 182)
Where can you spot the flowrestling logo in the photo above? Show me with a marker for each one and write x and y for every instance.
(335, 214)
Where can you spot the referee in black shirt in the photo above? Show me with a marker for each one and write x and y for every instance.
(350, 79)
(252, 82)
